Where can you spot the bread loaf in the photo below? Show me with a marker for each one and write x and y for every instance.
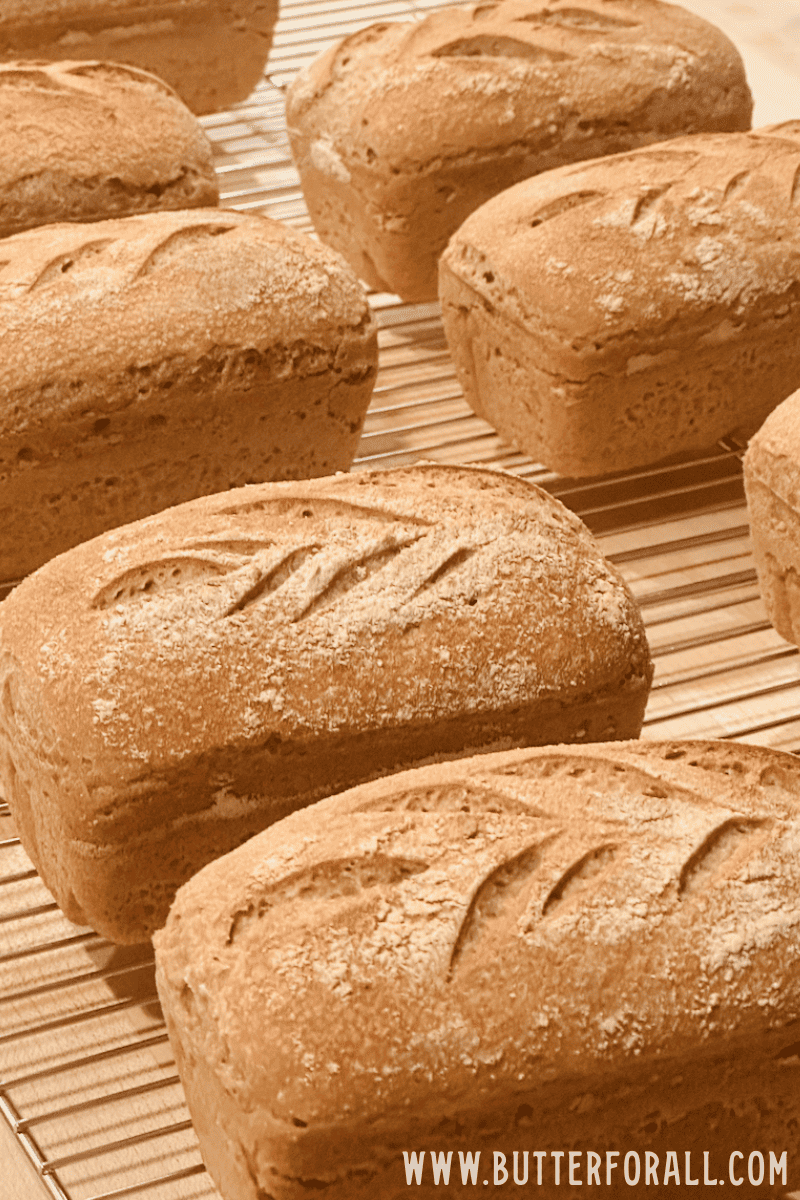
(212, 52)
(612, 314)
(172, 687)
(569, 949)
(772, 485)
(401, 130)
(80, 141)
(159, 357)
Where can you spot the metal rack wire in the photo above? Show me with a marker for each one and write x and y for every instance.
(87, 1079)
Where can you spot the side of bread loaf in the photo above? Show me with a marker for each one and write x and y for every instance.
(772, 486)
(559, 949)
(401, 130)
(612, 314)
(155, 358)
(212, 52)
(174, 686)
(80, 141)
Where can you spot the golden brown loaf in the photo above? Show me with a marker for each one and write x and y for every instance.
(560, 949)
(212, 52)
(611, 314)
(80, 141)
(174, 686)
(155, 358)
(772, 483)
(401, 130)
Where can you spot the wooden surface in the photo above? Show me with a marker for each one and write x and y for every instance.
(83, 1054)
(18, 1177)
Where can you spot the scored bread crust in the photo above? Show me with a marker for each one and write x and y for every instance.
(402, 129)
(155, 358)
(82, 141)
(611, 314)
(172, 687)
(565, 948)
(212, 52)
(772, 486)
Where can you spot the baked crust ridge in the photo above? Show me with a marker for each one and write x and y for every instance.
(567, 948)
(244, 654)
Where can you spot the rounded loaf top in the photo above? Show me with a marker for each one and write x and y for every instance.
(77, 136)
(87, 115)
(88, 300)
(455, 936)
(213, 52)
(780, 433)
(465, 81)
(358, 602)
(773, 453)
(697, 232)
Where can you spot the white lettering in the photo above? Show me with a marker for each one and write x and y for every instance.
(610, 1166)
(573, 1167)
(756, 1154)
(776, 1164)
(442, 1161)
(671, 1169)
(708, 1182)
(441, 1166)
(413, 1166)
(632, 1155)
(469, 1166)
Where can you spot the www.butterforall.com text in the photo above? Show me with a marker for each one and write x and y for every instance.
(575, 1168)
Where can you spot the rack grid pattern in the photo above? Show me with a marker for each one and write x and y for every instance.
(87, 1080)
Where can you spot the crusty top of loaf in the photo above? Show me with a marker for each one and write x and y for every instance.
(300, 610)
(31, 10)
(19, 19)
(773, 454)
(489, 926)
(602, 261)
(468, 81)
(90, 119)
(80, 301)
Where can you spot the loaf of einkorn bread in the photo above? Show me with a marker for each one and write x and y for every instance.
(212, 52)
(156, 358)
(772, 485)
(171, 688)
(612, 314)
(80, 141)
(564, 950)
(401, 130)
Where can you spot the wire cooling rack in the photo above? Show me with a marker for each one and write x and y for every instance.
(88, 1087)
